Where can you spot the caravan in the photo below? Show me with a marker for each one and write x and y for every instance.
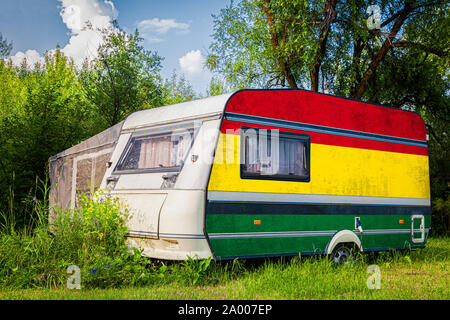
(260, 173)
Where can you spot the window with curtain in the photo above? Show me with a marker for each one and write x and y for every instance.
(273, 154)
(157, 152)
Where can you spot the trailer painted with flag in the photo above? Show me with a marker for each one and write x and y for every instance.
(270, 173)
(365, 164)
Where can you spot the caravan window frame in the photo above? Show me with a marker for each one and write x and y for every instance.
(192, 129)
(303, 138)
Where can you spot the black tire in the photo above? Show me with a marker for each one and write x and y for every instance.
(343, 254)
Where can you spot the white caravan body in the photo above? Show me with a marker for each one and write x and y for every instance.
(167, 219)
(166, 202)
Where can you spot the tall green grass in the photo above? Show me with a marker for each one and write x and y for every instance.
(418, 274)
(91, 237)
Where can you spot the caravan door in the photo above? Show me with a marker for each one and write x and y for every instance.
(144, 210)
(417, 227)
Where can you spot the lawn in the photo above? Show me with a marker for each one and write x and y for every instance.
(414, 275)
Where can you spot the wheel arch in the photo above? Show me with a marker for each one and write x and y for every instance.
(343, 236)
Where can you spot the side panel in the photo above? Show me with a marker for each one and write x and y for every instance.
(334, 171)
(80, 168)
(167, 221)
(144, 211)
(367, 161)
(163, 228)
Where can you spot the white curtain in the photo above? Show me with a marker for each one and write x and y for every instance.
(292, 156)
(155, 153)
(287, 157)
(252, 162)
(164, 151)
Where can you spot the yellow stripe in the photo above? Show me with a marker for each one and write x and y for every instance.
(334, 171)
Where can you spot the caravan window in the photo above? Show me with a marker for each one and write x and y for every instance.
(271, 154)
(158, 152)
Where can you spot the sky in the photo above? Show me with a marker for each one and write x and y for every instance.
(179, 31)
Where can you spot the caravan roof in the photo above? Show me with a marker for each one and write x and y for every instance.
(182, 111)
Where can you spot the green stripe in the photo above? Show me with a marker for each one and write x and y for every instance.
(244, 223)
(267, 246)
(223, 223)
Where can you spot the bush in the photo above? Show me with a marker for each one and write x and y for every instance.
(91, 237)
(440, 217)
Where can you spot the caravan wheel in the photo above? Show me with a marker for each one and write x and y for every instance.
(342, 254)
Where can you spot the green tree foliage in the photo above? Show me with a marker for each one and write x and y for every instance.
(41, 114)
(124, 78)
(177, 89)
(322, 45)
(217, 86)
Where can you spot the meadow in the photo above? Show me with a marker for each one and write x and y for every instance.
(34, 262)
(414, 275)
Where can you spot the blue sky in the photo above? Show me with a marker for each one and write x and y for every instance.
(176, 29)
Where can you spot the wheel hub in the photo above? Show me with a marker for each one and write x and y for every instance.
(341, 256)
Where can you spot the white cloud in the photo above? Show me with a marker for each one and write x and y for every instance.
(75, 14)
(192, 66)
(162, 26)
(32, 57)
(153, 29)
(192, 63)
(83, 43)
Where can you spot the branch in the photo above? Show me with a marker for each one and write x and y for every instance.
(387, 44)
(358, 46)
(423, 5)
(274, 39)
(329, 14)
(392, 18)
(403, 44)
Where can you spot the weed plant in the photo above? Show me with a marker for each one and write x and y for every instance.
(92, 237)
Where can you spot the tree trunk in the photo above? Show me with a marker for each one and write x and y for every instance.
(387, 44)
(358, 47)
(329, 15)
(274, 39)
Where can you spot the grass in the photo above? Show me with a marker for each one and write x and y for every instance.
(412, 275)
(33, 264)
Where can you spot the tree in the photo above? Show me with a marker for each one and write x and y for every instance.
(217, 86)
(318, 44)
(123, 78)
(42, 112)
(5, 47)
(177, 89)
(12, 100)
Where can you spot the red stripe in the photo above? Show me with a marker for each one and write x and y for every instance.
(325, 110)
(233, 127)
